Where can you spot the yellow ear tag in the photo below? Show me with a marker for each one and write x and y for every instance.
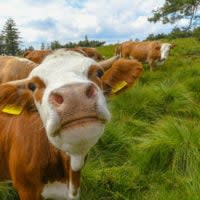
(119, 86)
(12, 109)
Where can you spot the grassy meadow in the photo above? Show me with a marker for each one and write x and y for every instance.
(151, 148)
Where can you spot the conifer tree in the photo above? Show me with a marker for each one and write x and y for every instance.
(11, 37)
(42, 47)
(2, 45)
(55, 45)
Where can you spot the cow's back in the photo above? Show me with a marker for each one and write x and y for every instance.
(143, 51)
(37, 56)
(14, 68)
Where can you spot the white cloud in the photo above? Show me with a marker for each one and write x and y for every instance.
(72, 19)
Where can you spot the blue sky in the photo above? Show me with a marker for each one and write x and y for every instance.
(70, 20)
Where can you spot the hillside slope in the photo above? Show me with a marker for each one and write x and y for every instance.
(150, 149)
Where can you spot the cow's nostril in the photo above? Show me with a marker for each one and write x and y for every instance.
(91, 91)
(56, 98)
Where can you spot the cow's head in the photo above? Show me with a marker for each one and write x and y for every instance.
(68, 90)
(165, 50)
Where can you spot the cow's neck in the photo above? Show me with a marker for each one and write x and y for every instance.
(77, 162)
(55, 165)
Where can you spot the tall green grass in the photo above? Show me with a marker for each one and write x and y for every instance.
(151, 148)
(7, 192)
(153, 137)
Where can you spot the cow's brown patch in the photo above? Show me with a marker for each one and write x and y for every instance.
(37, 56)
(74, 178)
(39, 88)
(95, 74)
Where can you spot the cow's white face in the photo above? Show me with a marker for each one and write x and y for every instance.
(165, 49)
(72, 106)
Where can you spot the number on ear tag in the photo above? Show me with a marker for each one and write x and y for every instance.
(119, 86)
(12, 109)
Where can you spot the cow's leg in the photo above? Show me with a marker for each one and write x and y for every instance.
(29, 194)
(152, 64)
(127, 56)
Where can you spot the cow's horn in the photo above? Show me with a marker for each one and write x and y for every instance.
(105, 64)
(16, 82)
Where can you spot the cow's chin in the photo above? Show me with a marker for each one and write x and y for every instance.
(77, 137)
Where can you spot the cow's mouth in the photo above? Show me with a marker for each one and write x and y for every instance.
(81, 122)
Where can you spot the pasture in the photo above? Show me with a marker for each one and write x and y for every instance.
(151, 148)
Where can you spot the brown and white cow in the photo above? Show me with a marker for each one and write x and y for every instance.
(50, 120)
(154, 52)
(14, 68)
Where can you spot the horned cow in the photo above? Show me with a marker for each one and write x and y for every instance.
(50, 120)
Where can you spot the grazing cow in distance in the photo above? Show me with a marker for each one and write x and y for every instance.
(121, 46)
(38, 56)
(50, 120)
(14, 68)
(154, 52)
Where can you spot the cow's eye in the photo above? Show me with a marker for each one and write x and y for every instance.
(99, 73)
(31, 86)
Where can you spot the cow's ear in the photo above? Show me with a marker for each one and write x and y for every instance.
(106, 64)
(121, 76)
(15, 97)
